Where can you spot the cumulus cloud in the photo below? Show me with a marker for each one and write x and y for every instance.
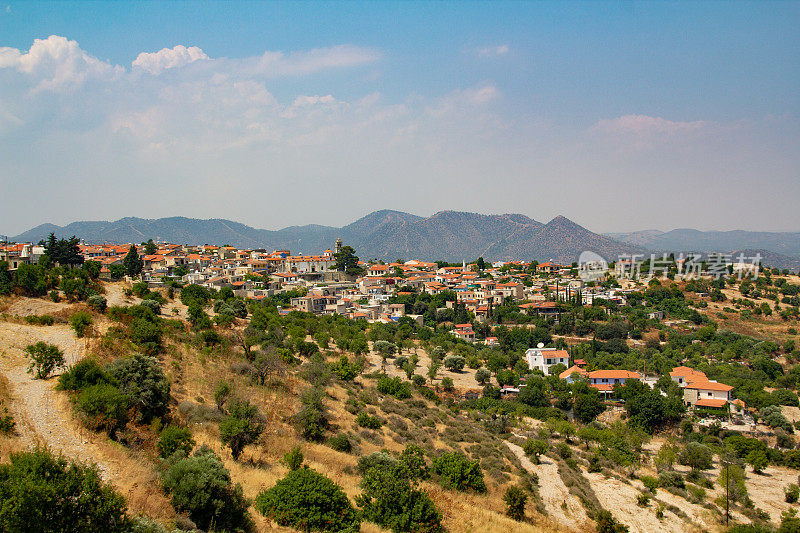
(494, 51)
(644, 124)
(56, 63)
(166, 58)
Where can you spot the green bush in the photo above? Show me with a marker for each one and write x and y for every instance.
(293, 459)
(174, 439)
(152, 305)
(307, 500)
(380, 460)
(312, 420)
(104, 407)
(44, 358)
(340, 443)
(515, 499)
(671, 479)
(533, 448)
(394, 387)
(82, 374)
(142, 378)
(454, 363)
(98, 303)
(696, 455)
(792, 492)
(390, 500)
(366, 421)
(241, 428)
(39, 320)
(457, 472)
(40, 492)
(201, 486)
(650, 482)
(7, 423)
(80, 322)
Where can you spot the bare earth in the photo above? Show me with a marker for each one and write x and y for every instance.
(554, 493)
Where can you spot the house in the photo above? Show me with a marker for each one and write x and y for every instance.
(549, 267)
(573, 373)
(544, 358)
(604, 380)
(464, 332)
(707, 394)
(683, 374)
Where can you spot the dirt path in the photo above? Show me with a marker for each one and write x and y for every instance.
(43, 417)
(554, 493)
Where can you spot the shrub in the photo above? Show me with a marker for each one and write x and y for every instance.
(606, 523)
(82, 374)
(104, 407)
(412, 459)
(7, 423)
(457, 472)
(534, 448)
(44, 359)
(394, 387)
(80, 321)
(41, 492)
(293, 459)
(650, 482)
(696, 455)
(55, 296)
(201, 486)
(792, 492)
(483, 376)
(380, 460)
(390, 500)
(515, 500)
(671, 479)
(341, 443)
(152, 305)
(447, 383)
(142, 378)
(454, 363)
(307, 500)
(564, 451)
(241, 427)
(98, 303)
(39, 320)
(175, 439)
(312, 420)
(366, 421)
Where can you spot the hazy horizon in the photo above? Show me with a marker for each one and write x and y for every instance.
(622, 117)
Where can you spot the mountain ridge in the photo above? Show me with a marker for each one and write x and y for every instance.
(389, 234)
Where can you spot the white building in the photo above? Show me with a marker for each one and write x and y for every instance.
(544, 358)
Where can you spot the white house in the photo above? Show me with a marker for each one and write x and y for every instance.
(544, 358)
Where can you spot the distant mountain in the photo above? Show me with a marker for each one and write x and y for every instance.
(388, 235)
(782, 243)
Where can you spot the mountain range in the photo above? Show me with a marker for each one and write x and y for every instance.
(446, 235)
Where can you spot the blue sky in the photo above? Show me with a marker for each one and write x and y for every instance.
(620, 116)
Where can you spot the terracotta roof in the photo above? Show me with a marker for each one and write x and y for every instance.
(613, 374)
(709, 385)
(571, 370)
(685, 372)
(711, 402)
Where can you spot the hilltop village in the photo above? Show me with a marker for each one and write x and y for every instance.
(552, 397)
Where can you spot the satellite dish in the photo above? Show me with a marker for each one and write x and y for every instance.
(540, 345)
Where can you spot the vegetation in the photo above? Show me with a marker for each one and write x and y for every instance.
(44, 358)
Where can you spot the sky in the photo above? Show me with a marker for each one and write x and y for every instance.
(621, 116)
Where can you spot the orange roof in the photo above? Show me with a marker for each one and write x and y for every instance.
(711, 402)
(571, 370)
(709, 385)
(613, 374)
(685, 372)
(602, 386)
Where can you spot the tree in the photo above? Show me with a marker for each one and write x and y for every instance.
(433, 370)
(454, 363)
(515, 500)
(142, 379)
(150, 247)
(697, 456)
(534, 448)
(293, 458)
(758, 460)
(241, 427)
(132, 263)
(44, 358)
(80, 321)
(457, 472)
(175, 439)
(105, 407)
(64, 252)
(201, 486)
(222, 393)
(41, 492)
(392, 499)
(347, 261)
(587, 406)
(308, 501)
(483, 376)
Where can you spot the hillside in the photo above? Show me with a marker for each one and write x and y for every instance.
(447, 235)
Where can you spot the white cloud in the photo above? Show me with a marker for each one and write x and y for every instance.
(166, 58)
(57, 63)
(644, 124)
(494, 51)
(277, 64)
